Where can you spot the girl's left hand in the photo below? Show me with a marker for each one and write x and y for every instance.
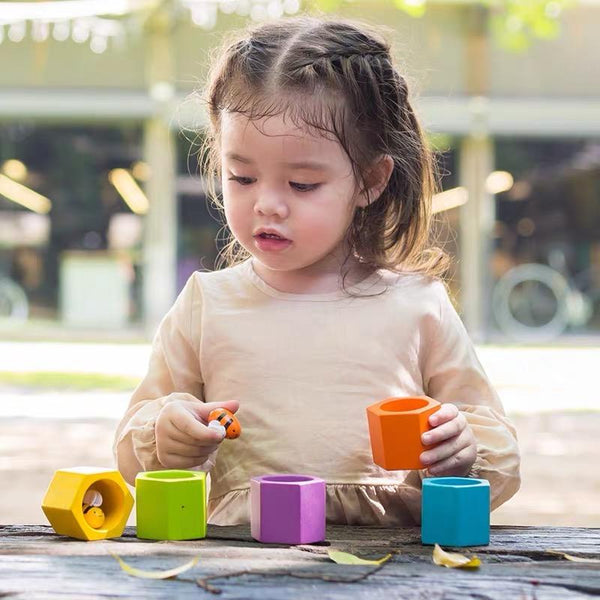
(456, 448)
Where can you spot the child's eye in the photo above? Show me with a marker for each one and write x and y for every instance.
(304, 187)
(242, 180)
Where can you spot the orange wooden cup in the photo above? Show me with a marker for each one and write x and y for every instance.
(396, 426)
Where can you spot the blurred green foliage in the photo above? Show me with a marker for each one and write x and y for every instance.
(52, 380)
(514, 24)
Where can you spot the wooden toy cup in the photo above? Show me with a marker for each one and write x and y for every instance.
(455, 511)
(171, 505)
(63, 502)
(287, 509)
(395, 427)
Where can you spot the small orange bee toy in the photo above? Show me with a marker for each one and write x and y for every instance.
(92, 512)
(93, 515)
(221, 417)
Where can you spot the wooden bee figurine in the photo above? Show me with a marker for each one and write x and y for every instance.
(92, 513)
(224, 420)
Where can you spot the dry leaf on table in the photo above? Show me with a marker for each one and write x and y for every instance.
(345, 558)
(155, 574)
(453, 559)
(581, 559)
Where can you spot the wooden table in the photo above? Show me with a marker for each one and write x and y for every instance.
(36, 563)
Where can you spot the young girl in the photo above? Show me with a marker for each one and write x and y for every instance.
(331, 300)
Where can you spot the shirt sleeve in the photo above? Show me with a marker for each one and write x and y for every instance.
(173, 374)
(452, 373)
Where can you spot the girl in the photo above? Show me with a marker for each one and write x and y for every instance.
(331, 300)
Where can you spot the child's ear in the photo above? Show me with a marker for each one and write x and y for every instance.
(376, 180)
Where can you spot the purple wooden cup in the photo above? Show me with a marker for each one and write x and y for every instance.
(287, 509)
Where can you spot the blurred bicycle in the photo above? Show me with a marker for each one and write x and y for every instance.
(538, 302)
(14, 306)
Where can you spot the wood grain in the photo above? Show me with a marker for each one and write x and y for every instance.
(35, 563)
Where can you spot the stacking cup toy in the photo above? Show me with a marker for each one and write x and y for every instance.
(395, 427)
(287, 509)
(64, 504)
(455, 511)
(171, 505)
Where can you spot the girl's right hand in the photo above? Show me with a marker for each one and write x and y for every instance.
(183, 439)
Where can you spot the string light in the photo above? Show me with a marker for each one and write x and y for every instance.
(129, 190)
(498, 181)
(81, 31)
(448, 199)
(291, 7)
(15, 169)
(40, 31)
(61, 31)
(243, 8)
(24, 196)
(17, 31)
(97, 22)
(228, 7)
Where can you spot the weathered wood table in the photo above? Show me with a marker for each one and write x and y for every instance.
(518, 564)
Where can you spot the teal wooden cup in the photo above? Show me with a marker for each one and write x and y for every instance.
(455, 511)
(171, 505)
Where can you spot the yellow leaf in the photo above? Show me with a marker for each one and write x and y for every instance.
(574, 558)
(345, 558)
(155, 574)
(453, 559)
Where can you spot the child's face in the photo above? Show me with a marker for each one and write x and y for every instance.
(267, 183)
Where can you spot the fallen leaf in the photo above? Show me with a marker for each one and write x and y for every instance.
(155, 574)
(453, 559)
(345, 558)
(575, 558)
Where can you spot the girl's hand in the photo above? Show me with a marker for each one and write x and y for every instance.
(457, 448)
(183, 439)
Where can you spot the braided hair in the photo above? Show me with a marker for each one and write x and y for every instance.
(335, 78)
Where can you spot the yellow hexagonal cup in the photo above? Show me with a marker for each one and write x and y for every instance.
(63, 501)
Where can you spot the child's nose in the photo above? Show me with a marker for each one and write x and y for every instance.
(271, 204)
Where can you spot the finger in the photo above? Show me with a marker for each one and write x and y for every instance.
(189, 450)
(203, 409)
(202, 437)
(446, 412)
(458, 464)
(192, 431)
(166, 429)
(443, 432)
(174, 461)
(446, 449)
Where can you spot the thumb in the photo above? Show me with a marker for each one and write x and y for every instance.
(203, 410)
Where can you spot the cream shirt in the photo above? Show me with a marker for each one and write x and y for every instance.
(304, 367)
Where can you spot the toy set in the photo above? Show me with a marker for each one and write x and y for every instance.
(91, 504)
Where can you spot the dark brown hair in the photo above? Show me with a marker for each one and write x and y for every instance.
(335, 77)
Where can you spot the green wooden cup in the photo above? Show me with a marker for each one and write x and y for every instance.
(171, 505)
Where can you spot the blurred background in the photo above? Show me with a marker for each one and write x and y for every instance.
(103, 214)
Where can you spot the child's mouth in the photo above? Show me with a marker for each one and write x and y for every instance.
(270, 236)
(271, 241)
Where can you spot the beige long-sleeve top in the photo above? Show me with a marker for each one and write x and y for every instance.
(304, 367)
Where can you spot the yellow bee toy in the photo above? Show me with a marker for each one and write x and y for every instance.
(92, 513)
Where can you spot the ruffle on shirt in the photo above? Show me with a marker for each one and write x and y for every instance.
(397, 505)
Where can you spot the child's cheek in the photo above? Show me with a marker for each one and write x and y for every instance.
(235, 217)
